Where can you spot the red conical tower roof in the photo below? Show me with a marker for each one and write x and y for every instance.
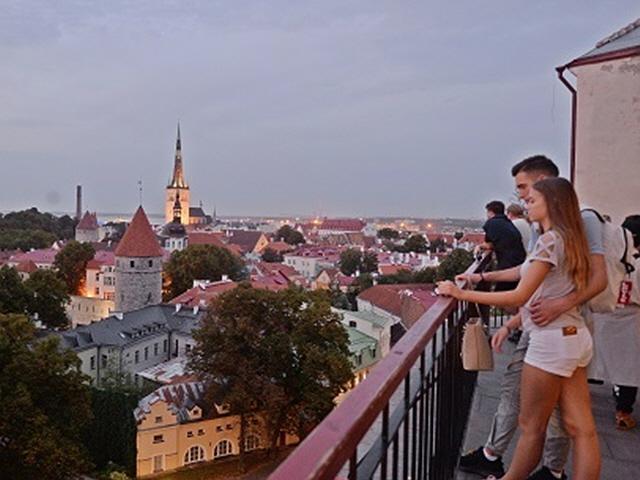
(139, 239)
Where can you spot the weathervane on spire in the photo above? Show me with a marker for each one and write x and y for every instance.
(140, 190)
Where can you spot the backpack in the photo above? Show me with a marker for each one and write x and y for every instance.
(618, 256)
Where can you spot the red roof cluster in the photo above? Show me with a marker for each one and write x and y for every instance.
(408, 302)
(139, 239)
(342, 224)
(216, 239)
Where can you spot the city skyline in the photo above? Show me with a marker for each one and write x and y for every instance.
(366, 109)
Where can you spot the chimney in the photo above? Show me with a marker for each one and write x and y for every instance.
(225, 278)
(119, 315)
(196, 309)
(178, 307)
(78, 202)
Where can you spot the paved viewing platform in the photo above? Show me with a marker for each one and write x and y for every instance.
(620, 450)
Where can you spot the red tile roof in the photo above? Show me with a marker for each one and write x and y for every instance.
(139, 239)
(89, 221)
(44, 256)
(408, 302)
(202, 295)
(342, 224)
(280, 247)
(247, 240)
(392, 269)
(26, 267)
(216, 239)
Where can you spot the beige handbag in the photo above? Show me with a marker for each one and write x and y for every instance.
(476, 351)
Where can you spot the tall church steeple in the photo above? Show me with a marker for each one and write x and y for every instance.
(178, 180)
(177, 189)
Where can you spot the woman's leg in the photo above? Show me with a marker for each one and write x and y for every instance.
(539, 394)
(575, 404)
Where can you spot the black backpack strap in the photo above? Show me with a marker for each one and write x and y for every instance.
(597, 214)
(629, 267)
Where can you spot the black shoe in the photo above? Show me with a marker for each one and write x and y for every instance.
(545, 474)
(476, 462)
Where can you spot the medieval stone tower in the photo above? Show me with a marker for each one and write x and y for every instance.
(177, 188)
(138, 266)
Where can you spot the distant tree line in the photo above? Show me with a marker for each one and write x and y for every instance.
(30, 228)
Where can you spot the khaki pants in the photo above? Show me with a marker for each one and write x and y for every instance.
(505, 421)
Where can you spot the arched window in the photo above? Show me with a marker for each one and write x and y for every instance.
(252, 442)
(194, 454)
(222, 449)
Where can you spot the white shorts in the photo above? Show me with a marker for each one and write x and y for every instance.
(559, 350)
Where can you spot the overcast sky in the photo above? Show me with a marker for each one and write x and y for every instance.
(338, 108)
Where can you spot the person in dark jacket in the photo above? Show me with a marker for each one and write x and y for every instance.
(504, 239)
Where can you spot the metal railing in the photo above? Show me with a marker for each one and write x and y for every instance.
(407, 418)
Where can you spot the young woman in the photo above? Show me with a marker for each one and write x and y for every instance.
(554, 370)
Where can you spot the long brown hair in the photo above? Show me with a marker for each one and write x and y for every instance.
(564, 213)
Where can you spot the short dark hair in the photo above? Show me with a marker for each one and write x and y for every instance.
(632, 223)
(496, 206)
(536, 163)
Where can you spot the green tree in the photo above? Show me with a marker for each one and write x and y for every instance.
(110, 438)
(45, 405)
(350, 261)
(415, 243)
(289, 235)
(48, 297)
(369, 263)
(403, 276)
(271, 256)
(12, 239)
(14, 296)
(200, 262)
(361, 283)
(388, 234)
(455, 263)
(71, 263)
(426, 275)
(284, 354)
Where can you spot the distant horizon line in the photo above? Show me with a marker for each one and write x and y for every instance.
(253, 216)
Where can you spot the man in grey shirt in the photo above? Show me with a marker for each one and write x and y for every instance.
(487, 460)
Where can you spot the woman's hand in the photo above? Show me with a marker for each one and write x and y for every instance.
(498, 338)
(449, 289)
(472, 278)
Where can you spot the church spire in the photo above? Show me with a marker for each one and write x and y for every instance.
(178, 180)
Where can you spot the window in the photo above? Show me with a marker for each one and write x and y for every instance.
(219, 428)
(132, 263)
(97, 277)
(158, 419)
(151, 263)
(352, 323)
(158, 461)
(229, 426)
(252, 442)
(146, 353)
(223, 449)
(165, 345)
(194, 454)
(137, 356)
(200, 432)
(187, 347)
(97, 290)
(155, 349)
(103, 361)
(158, 439)
(189, 434)
(176, 349)
(92, 362)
